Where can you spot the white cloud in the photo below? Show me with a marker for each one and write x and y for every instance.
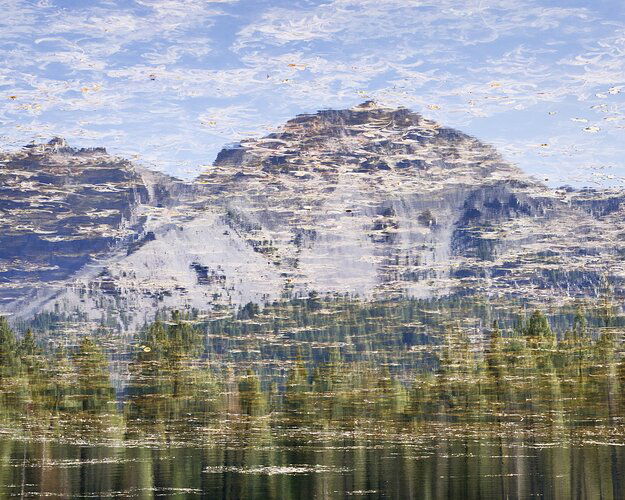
(180, 77)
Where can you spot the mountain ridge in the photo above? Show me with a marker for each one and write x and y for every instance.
(370, 201)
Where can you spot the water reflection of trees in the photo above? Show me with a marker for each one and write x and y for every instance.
(506, 395)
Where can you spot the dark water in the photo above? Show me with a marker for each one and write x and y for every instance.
(315, 467)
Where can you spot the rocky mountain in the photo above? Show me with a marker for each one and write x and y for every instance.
(370, 201)
(62, 210)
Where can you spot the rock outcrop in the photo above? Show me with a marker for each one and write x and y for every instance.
(369, 201)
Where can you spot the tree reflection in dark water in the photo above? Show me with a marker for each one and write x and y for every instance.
(518, 411)
(360, 466)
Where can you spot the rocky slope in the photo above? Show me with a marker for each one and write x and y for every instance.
(62, 210)
(368, 201)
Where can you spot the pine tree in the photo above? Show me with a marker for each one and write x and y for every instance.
(93, 375)
(297, 389)
(28, 346)
(538, 326)
(8, 350)
(250, 395)
(184, 340)
(156, 341)
(580, 324)
(494, 353)
(607, 302)
(29, 353)
(249, 311)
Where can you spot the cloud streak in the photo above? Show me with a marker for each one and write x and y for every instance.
(172, 80)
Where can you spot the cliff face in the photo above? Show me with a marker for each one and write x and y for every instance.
(62, 210)
(378, 201)
(369, 201)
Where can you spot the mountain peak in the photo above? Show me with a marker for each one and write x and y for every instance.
(367, 105)
(57, 142)
(368, 138)
(60, 145)
(369, 200)
(369, 113)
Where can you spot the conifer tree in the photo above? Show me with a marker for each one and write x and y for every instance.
(29, 353)
(580, 324)
(8, 350)
(538, 326)
(156, 340)
(93, 375)
(607, 302)
(28, 346)
(494, 353)
(250, 396)
(297, 389)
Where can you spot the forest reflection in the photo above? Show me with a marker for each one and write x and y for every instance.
(528, 405)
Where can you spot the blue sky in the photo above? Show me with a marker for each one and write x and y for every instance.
(168, 82)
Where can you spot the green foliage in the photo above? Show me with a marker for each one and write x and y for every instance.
(250, 395)
(297, 392)
(461, 372)
(28, 346)
(537, 326)
(171, 342)
(92, 369)
(607, 308)
(249, 311)
(580, 324)
(9, 361)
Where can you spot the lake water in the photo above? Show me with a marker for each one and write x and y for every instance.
(255, 461)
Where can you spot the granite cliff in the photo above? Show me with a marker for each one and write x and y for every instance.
(370, 201)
